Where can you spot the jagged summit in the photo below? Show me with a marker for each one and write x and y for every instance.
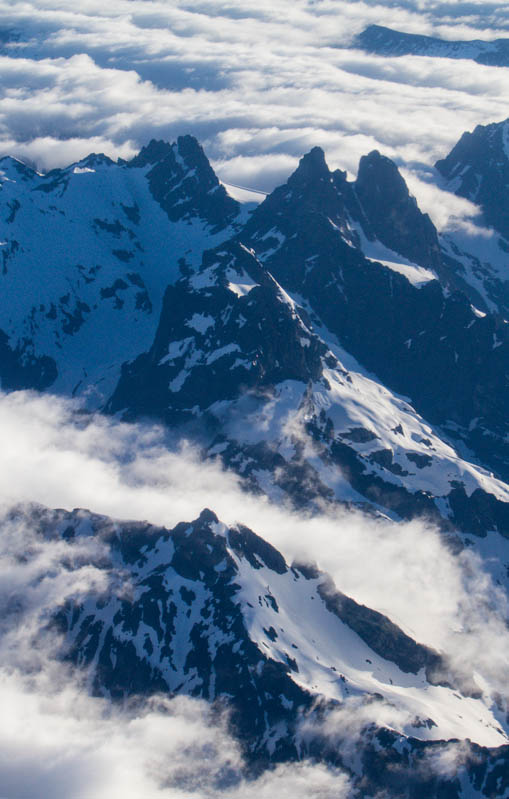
(312, 166)
(393, 213)
(153, 152)
(96, 159)
(478, 168)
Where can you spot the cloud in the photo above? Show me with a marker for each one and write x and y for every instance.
(64, 744)
(448, 212)
(61, 458)
(257, 84)
(56, 740)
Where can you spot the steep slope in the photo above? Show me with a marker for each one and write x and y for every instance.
(384, 41)
(396, 319)
(250, 373)
(89, 250)
(478, 168)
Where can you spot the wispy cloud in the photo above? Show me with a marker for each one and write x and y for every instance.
(56, 740)
(59, 458)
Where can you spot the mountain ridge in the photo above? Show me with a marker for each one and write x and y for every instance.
(380, 40)
(332, 349)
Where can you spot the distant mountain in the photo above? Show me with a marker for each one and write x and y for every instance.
(388, 42)
(216, 612)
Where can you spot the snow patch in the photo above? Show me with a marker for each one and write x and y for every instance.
(200, 322)
(239, 282)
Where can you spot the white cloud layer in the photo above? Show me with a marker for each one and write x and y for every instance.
(65, 745)
(258, 83)
(57, 741)
(59, 458)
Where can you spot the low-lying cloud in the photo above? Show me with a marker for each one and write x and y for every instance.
(258, 84)
(55, 456)
(64, 744)
(57, 741)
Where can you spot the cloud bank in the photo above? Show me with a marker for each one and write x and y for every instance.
(259, 84)
(57, 741)
(66, 745)
(60, 457)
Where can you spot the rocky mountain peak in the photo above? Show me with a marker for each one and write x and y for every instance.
(379, 173)
(312, 166)
(189, 148)
(152, 153)
(478, 168)
(184, 184)
(206, 518)
(96, 160)
(393, 213)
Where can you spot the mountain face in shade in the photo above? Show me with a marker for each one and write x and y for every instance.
(393, 213)
(383, 41)
(478, 168)
(216, 612)
(223, 330)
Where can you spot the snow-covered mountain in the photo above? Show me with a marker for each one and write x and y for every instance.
(87, 253)
(330, 347)
(389, 42)
(216, 612)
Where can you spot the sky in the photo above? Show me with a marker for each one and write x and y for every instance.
(258, 82)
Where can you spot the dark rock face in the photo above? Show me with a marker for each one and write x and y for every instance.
(184, 184)
(478, 168)
(224, 330)
(21, 368)
(393, 213)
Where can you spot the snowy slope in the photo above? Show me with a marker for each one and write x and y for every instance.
(211, 611)
(87, 254)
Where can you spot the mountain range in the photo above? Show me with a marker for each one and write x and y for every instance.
(332, 348)
(384, 41)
